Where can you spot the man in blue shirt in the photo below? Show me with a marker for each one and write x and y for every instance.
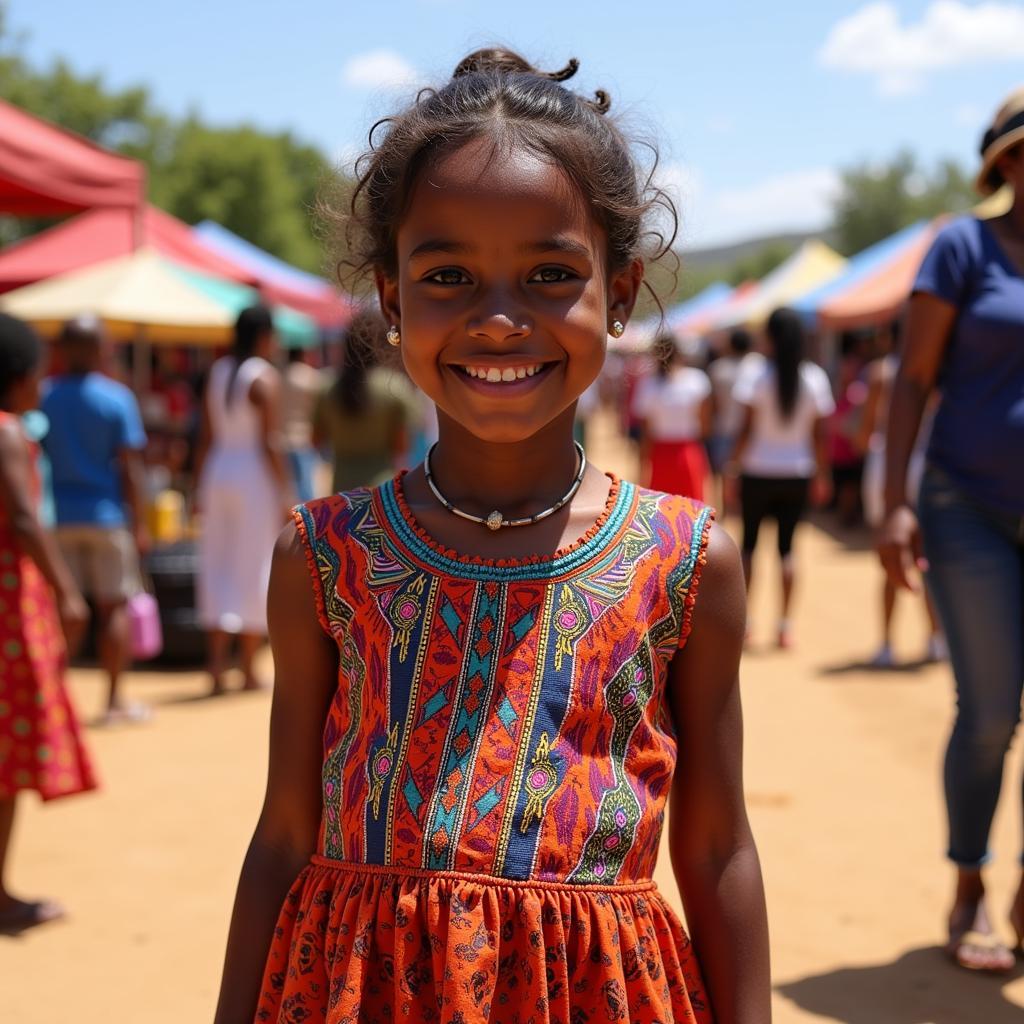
(95, 446)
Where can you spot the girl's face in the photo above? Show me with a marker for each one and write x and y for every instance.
(502, 294)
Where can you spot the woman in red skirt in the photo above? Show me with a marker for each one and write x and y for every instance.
(41, 613)
(674, 406)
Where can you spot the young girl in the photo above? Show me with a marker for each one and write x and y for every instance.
(39, 743)
(491, 667)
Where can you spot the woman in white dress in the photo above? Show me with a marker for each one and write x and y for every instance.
(244, 495)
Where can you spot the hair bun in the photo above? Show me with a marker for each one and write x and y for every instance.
(498, 60)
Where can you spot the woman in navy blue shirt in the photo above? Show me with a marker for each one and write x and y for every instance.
(965, 337)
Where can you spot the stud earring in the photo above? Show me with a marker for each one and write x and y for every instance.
(618, 329)
(394, 336)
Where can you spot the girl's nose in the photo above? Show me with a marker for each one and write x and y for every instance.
(499, 321)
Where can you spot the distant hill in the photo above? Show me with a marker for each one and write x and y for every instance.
(727, 256)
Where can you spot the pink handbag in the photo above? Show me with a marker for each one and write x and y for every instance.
(147, 636)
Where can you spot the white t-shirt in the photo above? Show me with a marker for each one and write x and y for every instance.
(783, 447)
(671, 405)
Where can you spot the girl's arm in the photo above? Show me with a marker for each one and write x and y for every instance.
(821, 484)
(306, 667)
(713, 853)
(35, 541)
(929, 325)
(707, 411)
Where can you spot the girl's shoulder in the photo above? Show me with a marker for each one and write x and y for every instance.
(676, 521)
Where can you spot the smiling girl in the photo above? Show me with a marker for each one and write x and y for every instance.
(493, 671)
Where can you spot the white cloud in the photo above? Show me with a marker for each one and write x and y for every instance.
(796, 201)
(874, 41)
(379, 69)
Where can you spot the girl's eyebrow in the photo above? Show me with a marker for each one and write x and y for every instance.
(557, 244)
(439, 246)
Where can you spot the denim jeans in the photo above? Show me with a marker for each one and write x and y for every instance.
(976, 578)
(303, 463)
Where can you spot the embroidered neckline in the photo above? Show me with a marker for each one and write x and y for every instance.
(411, 535)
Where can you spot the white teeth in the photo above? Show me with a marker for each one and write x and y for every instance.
(498, 375)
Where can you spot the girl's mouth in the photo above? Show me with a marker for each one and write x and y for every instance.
(513, 377)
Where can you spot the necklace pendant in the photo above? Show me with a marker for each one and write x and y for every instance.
(494, 521)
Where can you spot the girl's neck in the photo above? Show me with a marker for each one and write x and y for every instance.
(519, 479)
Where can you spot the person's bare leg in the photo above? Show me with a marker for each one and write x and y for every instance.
(788, 581)
(248, 645)
(16, 913)
(218, 645)
(114, 643)
(1017, 916)
(969, 916)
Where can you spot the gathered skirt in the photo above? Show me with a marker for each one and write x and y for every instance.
(363, 943)
(679, 467)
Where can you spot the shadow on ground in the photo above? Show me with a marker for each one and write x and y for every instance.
(904, 670)
(921, 987)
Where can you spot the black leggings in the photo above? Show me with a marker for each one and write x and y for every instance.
(782, 498)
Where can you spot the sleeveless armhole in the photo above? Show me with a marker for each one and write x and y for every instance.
(694, 566)
(306, 528)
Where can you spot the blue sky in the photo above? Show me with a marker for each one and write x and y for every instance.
(756, 106)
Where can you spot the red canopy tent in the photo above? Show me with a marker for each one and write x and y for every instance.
(46, 171)
(103, 235)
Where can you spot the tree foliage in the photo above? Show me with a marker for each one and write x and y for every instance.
(260, 185)
(874, 202)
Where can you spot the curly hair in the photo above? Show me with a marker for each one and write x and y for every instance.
(495, 93)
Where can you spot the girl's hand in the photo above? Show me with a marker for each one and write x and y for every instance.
(899, 547)
(74, 616)
(821, 489)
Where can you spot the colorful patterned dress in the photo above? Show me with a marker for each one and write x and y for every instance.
(40, 747)
(497, 759)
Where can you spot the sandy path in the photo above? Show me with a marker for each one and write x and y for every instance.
(842, 773)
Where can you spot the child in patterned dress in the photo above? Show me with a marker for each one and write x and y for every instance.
(40, 748)
(493, 670)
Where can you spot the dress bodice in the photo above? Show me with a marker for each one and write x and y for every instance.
(504, 718)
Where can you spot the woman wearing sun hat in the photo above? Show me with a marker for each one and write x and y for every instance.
(965, 330)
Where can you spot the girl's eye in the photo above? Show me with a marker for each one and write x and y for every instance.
(552, 275)
(448, 275)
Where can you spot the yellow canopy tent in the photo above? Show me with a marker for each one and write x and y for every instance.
(812, 265)
(139, 295)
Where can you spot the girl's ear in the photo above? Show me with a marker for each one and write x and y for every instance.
(387, 295)
(623, 290)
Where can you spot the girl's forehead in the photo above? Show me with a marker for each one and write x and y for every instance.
(483, 184)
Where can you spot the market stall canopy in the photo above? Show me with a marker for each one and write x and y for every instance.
(713, 295)
(278, 281)
(703, 321)
(294, 329)
(141, 294)
(813, 264)
(46, 171)
(877, 259)
(879, 296)
(106, 234)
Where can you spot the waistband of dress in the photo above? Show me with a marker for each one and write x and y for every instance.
(477, 878)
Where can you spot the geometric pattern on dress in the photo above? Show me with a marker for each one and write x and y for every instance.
(627, 696)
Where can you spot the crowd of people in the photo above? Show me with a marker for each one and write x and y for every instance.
(400, 582)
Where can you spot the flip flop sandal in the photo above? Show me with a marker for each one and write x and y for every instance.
(985, 943)
(29, 915)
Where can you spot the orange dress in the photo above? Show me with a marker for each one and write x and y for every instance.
(40, 746)
(497, 759)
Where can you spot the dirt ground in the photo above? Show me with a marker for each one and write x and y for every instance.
(842, 770)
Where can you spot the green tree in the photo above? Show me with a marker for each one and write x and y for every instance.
(875, 202)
